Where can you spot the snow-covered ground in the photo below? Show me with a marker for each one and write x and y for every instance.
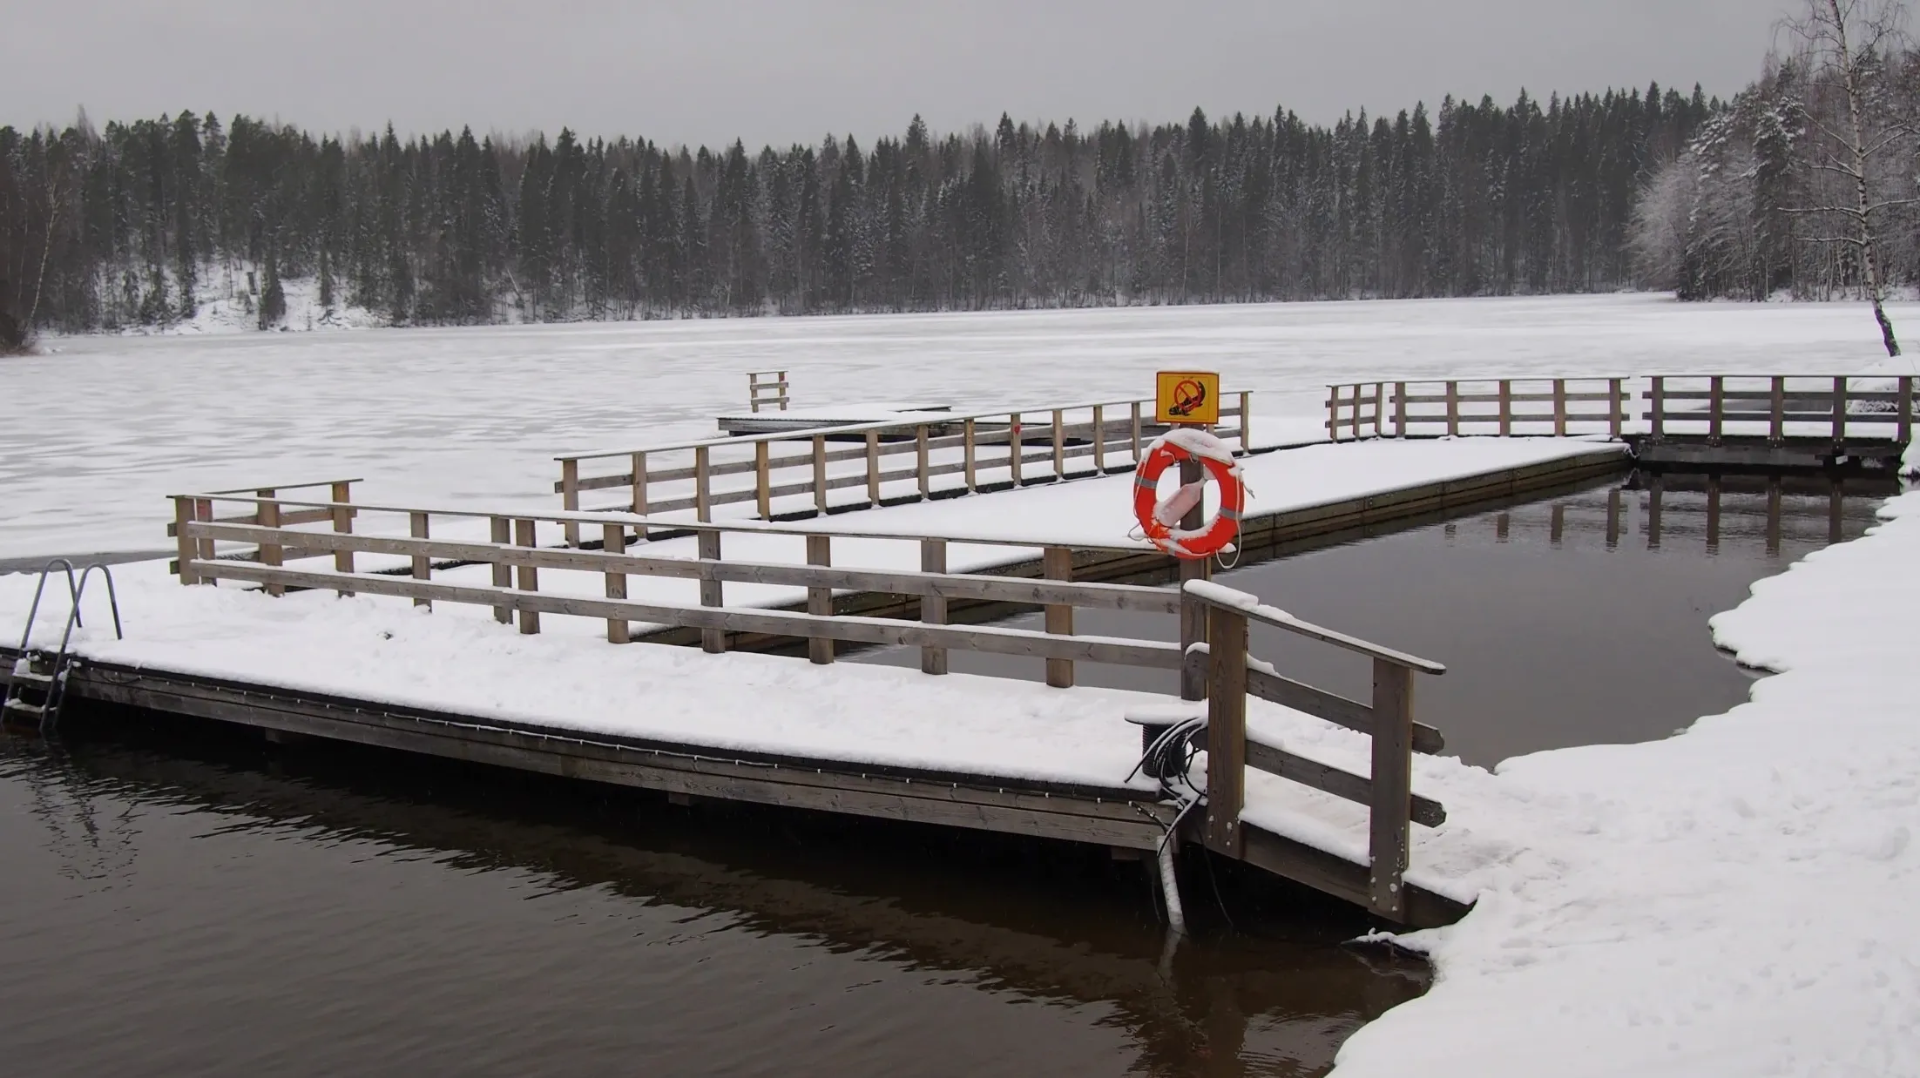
(101, 428)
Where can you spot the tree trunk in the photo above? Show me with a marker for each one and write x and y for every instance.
(1869, 257)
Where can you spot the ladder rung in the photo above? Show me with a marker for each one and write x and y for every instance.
(25, 708)
(32, 677)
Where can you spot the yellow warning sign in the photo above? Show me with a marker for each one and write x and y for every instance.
(1186, 397)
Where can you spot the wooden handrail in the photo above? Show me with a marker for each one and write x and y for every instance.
(1220, 597)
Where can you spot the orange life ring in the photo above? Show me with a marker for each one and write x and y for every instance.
(1169, 537)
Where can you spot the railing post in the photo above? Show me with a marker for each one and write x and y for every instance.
(1059, 444)
(1057, 564)
(614, 541)
(1226, 728)
(873, 467)
(1777, 417)
(1657, 409)
(1136, 434)
(763, 479)
(1839, 410)
(1506, 407)
(422, 563)
(971, 449)
(702, 491)
(1379, 408)
(712, 641)
(528, 575)
(1333, 413)
(1453, 409)
(820, 474)
(1904, 410)
(1560, 407)
(640, 490)
(1099, 440)
(342, 525)
(920, 457)
(1392, 784)
(1014, 447)
(203, 511)
(570, 497)
(1399, 409)
(820, 599)
(933, 608)
(184, 545)
(1246, 421)
(1356, 411)
(501, 534)
(268, 516)
(1616, 420)
(1716, 407)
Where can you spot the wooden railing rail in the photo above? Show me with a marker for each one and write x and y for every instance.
(767, 388)
(1030, 445)
(1836, 406)
(1402, 409)
(1388, 720)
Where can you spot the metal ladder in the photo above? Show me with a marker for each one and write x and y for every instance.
(39, 684)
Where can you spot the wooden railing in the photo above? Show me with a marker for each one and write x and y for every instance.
(1388, 721)
(511, 549)
(978, 448)
(1500, 406)
(1774, 407)
(768, 388)
(1777, 407)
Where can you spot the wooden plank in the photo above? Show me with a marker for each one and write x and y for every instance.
(1657, 417)
(422, 565)
(1333, 412)
(933, 608)
(639, 499)
(1341, 878)
(1100, 441)
(1059, 444)
(1453, 409)
(920, 468)
(1506, 407)
(203, 511)
(1226, 729)
(1057, 564)
(270, 553)
(873, 467)
(1246, 421)
(1356, 410)
(702, 484)
(1388, 843)
(1281, 620)
(987, 587)
(762, 482)
(1560, 407)
(1903, 409)
(1328, 779)
(529, 578)
(502, 572)
(819, 474)
(1279, 689)
(820, 599)
(1716, 406)
(972, 451)
(1379, 406)
(886, 631)
(342, 518)
(184, 549)
(712, 640)
(1400, 409)
(1839, 409)
(570, 497)
(1015, 447)
(614, 541)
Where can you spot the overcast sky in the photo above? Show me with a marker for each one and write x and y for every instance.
(781, 72)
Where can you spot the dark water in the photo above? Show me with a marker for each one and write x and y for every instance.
(174, 901)
(1569, 620)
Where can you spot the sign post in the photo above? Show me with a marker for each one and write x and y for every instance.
(1188, 398)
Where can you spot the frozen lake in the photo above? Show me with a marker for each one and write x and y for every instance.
(102, 428)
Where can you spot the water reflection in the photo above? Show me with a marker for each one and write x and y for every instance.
(1569, 619)
(176, 902)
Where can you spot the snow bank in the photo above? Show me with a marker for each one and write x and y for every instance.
(1736, 900)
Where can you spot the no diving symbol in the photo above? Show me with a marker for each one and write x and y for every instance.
(1188, 397)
